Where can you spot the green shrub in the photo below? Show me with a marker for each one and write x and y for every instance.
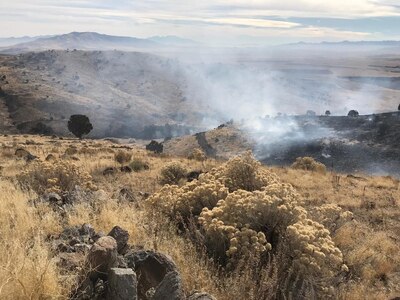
(172, 173)
(138, 165)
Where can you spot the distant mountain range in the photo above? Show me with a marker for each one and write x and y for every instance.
(380, 44)
(97, 41)
(91, 41)
(11, 41)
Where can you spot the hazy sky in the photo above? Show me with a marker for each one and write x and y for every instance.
(215, 21)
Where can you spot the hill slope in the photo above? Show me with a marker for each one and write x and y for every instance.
(121, 92)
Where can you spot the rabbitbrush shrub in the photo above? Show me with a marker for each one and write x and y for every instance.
(244, 211)
(58, 177)
(197, 154)
(309, 164)
(123, 157)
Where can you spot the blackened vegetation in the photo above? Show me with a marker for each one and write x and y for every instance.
(205, 146)
(367, 143)
(155, 147)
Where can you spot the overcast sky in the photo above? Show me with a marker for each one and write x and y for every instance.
(215, 21)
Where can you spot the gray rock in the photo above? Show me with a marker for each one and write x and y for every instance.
(50, 157)
(150, 267)
(110, 171)
(71, 261)
(87, 229)
(53, 198)
(102, 256)
(121, 236)
(122, 284)
(22, 153)
(169, 288)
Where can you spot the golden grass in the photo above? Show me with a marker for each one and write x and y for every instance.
(370, 243)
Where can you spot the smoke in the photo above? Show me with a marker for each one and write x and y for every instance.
(247, 84)
(268, 95)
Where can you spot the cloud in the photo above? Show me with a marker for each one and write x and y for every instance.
(266, 18)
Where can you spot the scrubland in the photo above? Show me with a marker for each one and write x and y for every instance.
(239, 231)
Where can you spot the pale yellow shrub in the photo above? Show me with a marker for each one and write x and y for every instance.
(123, 157)
(189, 199)
(239, 224)
(243, 172)
(240, 204)
(331, 216)
(197, 154)
(309, 164)
(58, 177)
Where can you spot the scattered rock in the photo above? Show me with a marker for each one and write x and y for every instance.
(193, 175)
(127, 194)
(137, 274)
(169, 288)
(24, 154)
(71, 261)
(53, 198)
(126, 169)
(122, 284)
(102, 256)
(87, 229)
(110, 171)
(50, 157)
(145, 195)
(122, 237)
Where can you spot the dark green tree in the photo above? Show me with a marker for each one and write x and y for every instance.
(79, 125)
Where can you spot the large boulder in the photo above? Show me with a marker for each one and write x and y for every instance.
(151, 268)
(122, 284)
(122, 237)
(169, 288)
(102, 256)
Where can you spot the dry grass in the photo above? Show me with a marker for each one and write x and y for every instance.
(370, 243)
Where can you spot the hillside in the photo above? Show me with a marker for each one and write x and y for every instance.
(366, 144)
(57, 206)
(82, 41)
(121, 92)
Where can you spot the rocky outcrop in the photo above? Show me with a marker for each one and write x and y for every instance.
(108, 268)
